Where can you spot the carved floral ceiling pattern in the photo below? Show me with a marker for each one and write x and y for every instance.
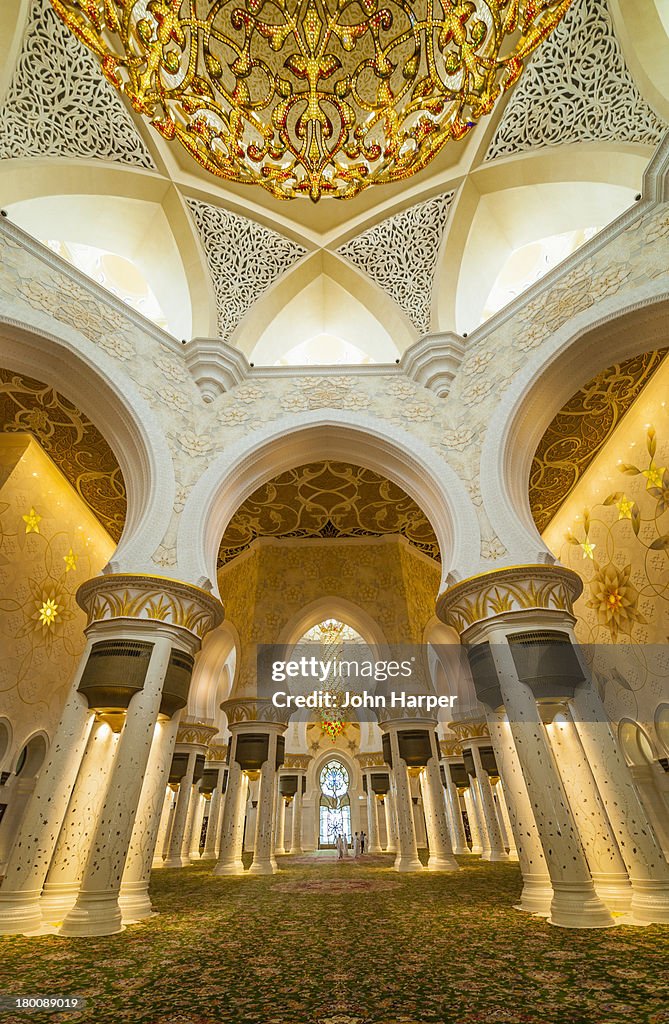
(581, 429)
(327, 499)
(72, 442)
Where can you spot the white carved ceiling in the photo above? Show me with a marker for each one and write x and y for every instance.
(578, 87)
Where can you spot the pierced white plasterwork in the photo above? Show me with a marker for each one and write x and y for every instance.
(59, 104)
(578, 88)
(400, 255)
(244, 259)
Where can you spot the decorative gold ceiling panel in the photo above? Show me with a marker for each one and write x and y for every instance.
(73, 443)
(581, 429)
(328, 499)
(312, 97)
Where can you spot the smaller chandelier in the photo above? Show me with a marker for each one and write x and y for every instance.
(312, 97)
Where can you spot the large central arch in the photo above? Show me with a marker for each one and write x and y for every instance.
(327, 434)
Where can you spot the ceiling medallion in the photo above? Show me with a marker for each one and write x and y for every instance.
(312, 97)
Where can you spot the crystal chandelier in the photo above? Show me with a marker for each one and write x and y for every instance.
(312, 97)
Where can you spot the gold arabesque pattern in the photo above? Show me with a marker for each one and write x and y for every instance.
(312, 97)
(72, 442)
(328, 499)
(580, 430)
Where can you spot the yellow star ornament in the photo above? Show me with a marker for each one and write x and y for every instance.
(588, 549)
(70, 560)
(653, 475)
(48, 612)
(32, 521)
(625, 506)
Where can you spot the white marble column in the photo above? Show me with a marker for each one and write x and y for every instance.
(96, 911)
(263, 846)
(504, 820)
(484, 839)
(650, 781)
(234, 812)
(215, 813)
(473, 820)
(163, 829)
(134, 898)
(373, 845)
(438, 839)
(537, 894)
(31, 855)
(280, 844)
(296, 837)
(575, 903)
(407, 850)
(459, 836)
(495, 850)
(606, 863)
(645, 862)
(74, 841)
(175, 856)
(200, 802)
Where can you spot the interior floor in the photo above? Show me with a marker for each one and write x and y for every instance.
(349, 942)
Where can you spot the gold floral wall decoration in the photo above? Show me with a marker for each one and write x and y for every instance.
(581, 429)
(629, 556)
(74, 444)
(328, 499)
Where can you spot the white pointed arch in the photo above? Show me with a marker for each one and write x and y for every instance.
(299, 438)
(94, 382)
(214, 673)
(616, 329)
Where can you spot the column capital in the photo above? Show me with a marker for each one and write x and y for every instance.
(195, 734)
(296, 763)
(519, 588)
(450, 748)
(471, 732)
(151, 599)
(217, 754)
(405, 718)
(243, 711)
(368, 762)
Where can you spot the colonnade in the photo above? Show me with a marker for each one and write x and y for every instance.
(128, 781)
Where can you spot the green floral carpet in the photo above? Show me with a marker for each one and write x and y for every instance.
(349, 943)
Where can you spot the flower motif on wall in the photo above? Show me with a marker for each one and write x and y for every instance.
(233, 417)
(615, 599)
(458, 439)
(477, 392)
(247, 393)
(492, 549)
(194, 444)
(477, 363)
(170, 368)
(32, 519)
(418, 412)
(402, 389)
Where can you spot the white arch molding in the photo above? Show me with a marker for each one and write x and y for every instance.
(299, 438)
(616, 329)
(90, 379)
(340, 608)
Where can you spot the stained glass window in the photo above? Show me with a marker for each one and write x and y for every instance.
(335, 808)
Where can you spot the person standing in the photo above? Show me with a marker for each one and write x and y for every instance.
(339, 843)
(356, 845)
(363, 839)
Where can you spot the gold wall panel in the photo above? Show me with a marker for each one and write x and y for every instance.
(73, 443)
(581, 429)
(328, 499)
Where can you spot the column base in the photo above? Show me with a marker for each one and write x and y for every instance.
(650, 902)
(176, 862)
(495, 855)
(20, 913)
(374, 849)
(263, 867)
(208, 856)
(477, 851)
(194, 858)
(408, 864)
(537, 896)
(390, 849)
(57, 900)
(296, 851)
(615, 891)
(134, 902)
(577, 905)
(513, 856)
(461, 851)
(93, 914)
(442, 864)
(157, 863)
(235, 867)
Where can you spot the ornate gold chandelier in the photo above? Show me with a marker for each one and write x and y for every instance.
(312, 97)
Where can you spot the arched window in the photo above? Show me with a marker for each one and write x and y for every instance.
(335, 804)
(331, 636)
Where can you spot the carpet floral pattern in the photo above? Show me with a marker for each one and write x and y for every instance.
(312, 945)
